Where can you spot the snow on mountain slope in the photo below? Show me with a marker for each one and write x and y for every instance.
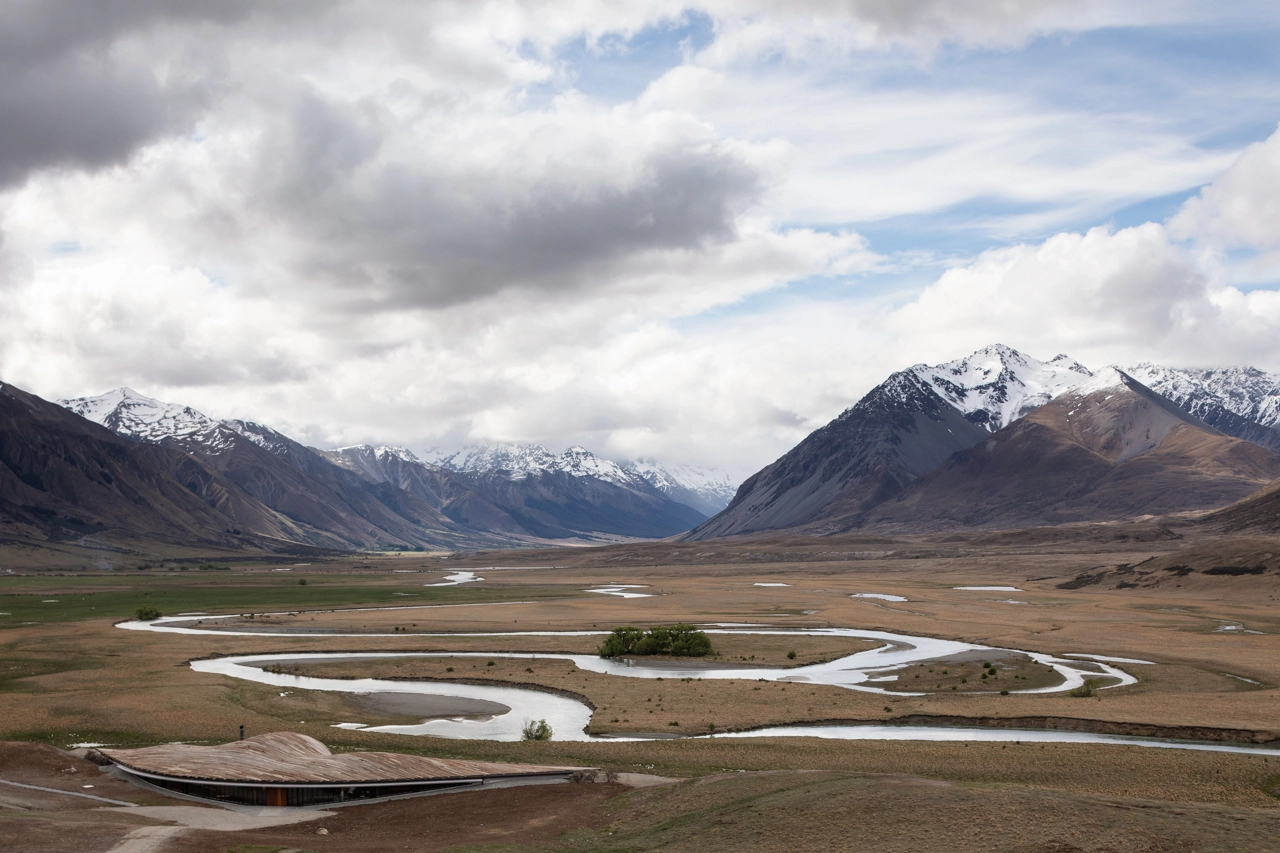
(1245, 391)
(579, 462)
(126, 412)
(707, 490)
(518, 461)
(996, 385)
(371, 461)
(263, 436)
(1106, 379)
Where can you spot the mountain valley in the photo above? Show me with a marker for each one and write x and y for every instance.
(997, 440)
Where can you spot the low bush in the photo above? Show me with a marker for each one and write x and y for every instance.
(536, 730)
(146, 613)
(677, 640)
(1089, 688)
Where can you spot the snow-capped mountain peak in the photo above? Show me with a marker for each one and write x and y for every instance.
(402, 453)
(577, 461)
(1064, 360)
(263, 436)
(706, 490)
(372, 461)
(1248, 392)
(126, 412)
(996, 385)
(516, 461)
(1106, 379)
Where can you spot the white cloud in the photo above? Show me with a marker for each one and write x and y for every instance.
(1104, 297)
(400, 222)
(1241, 208)
(859, 153)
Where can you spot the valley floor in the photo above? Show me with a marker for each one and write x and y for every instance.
(68, 676)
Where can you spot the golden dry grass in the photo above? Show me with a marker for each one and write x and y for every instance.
(101, 683)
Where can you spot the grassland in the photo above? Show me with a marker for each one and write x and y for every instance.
(68, 676)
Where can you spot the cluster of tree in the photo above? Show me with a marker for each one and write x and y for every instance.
(676, 640)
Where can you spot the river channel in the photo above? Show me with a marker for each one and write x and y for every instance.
(863, 670)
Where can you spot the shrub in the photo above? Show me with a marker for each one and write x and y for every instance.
(791, 655)
(678, 640)
(146, 613)
(1089, 688)
(302, 582)
(536, 730)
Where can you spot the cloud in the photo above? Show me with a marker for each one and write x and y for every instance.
(1241, 208)
(87, 86)
(1103, 296)
(863, 153)
(551, 200)
(401, 221)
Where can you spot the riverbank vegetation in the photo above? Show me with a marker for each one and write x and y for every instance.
(681, 640)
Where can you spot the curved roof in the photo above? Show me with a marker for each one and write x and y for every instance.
(283, 758)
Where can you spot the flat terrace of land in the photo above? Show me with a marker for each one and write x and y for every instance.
(1014, 798)
(1206, 678)
(71, 677)
(638, 705)
(1213, 670)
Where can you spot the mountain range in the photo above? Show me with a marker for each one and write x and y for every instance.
(1001, 439)
(706, 490)
(997, 439)
(362, 496)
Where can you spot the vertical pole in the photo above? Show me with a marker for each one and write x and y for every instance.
(242, 733)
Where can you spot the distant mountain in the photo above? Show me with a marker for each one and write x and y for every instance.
(128, 413)
(899, 432)
(329, 505)
(893, 436)
(572, 493)
(65, 478)
(705, 489)
(359, 497)
(1108, 448)
(394, 471)
(1258, 513)
(518, 461)
(1240, 401)
(997, 384)
(984, 440)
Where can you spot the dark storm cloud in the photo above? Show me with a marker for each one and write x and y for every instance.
(378, 230)
(85, 84)
(82, 112)
(424, 242)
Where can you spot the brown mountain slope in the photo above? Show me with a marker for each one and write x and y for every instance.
(900, 431)
(1111, 449)
(443, 493)
(65, 478)
(333, 506)
(1258, 513)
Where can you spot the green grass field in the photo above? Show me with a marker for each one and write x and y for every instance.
(33, 600)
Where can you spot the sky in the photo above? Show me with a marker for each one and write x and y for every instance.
(685, 231)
